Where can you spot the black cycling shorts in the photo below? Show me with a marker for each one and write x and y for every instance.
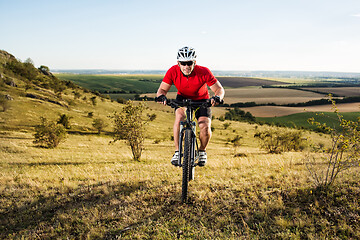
(201, 112)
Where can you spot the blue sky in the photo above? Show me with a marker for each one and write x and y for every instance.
(299, 35)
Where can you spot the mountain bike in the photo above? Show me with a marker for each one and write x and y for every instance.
(188, 145)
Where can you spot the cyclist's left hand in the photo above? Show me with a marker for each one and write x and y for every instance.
(161, 99)
(215, 101)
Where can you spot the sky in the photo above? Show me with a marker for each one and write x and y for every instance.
(238, 35)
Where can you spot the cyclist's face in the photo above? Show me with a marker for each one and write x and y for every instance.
(185, 69)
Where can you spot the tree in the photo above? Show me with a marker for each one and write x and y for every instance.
(49, 134)
(130, 126)
(99, 124)
(44, 69)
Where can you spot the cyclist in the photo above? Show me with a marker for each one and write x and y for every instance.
(191, 81)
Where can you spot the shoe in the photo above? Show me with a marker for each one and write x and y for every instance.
(175, 159)
(202, 158)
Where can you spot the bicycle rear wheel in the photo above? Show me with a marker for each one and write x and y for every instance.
(186, 164)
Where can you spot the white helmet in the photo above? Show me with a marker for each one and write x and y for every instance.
(186, 54)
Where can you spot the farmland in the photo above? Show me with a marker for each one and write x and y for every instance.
(259, 91)
(238, 89)
(278, 111)
(116, 83)
(238, 82)
(340, 91)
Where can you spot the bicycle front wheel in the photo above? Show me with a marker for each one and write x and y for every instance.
(186, 166)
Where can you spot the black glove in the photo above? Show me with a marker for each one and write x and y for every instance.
(161, 98)
(217, 99)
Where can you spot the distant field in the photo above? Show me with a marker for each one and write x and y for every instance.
(237, 82)
(300, 119)
(341, 91)
(127, 83)
(270, 95)
(149, 83)
(278, 111)
(264, 95)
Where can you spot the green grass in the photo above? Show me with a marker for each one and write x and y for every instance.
(300, 119)
(127, 83)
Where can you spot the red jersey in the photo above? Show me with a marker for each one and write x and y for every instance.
(193, 86)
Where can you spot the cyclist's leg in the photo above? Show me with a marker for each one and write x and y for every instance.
(179, 116)
(205, 131)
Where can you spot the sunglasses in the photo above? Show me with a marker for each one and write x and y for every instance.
(189, 63)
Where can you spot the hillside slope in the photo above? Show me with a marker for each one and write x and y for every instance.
(28, 93)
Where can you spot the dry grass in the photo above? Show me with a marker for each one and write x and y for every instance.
(87, 188)
(90, 189)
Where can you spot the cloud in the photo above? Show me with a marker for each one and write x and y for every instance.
(356, 15)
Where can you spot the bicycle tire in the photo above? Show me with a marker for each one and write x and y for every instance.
(186, 164)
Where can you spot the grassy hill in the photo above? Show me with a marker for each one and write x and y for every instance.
(87, 188)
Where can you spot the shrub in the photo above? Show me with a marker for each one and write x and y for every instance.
(4, 103)
(64, 120)
(151, 117)
(121, 100)
(343, 153)
(49, 134)
(226, 125)
(93, 100)
(280, 140)
(77, 94)
(99, 124)
(236, 141)
(130, 126)
(237, 114)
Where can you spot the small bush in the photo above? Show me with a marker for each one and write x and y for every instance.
(99, 124)
(121, 100)
(4, 103)
(152, 117)
(343, 154)
(49, 134)
(93, 100)
(226, 125)
(281, 140)
(64, 120)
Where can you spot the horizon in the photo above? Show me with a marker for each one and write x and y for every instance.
(238, 73)
(215, 70)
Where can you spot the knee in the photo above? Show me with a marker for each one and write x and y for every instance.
(205, 127)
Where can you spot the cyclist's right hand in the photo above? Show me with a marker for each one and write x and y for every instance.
(161, 99)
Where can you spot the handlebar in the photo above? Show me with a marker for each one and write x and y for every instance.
(188, 103)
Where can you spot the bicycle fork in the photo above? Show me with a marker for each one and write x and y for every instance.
(194, 146)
